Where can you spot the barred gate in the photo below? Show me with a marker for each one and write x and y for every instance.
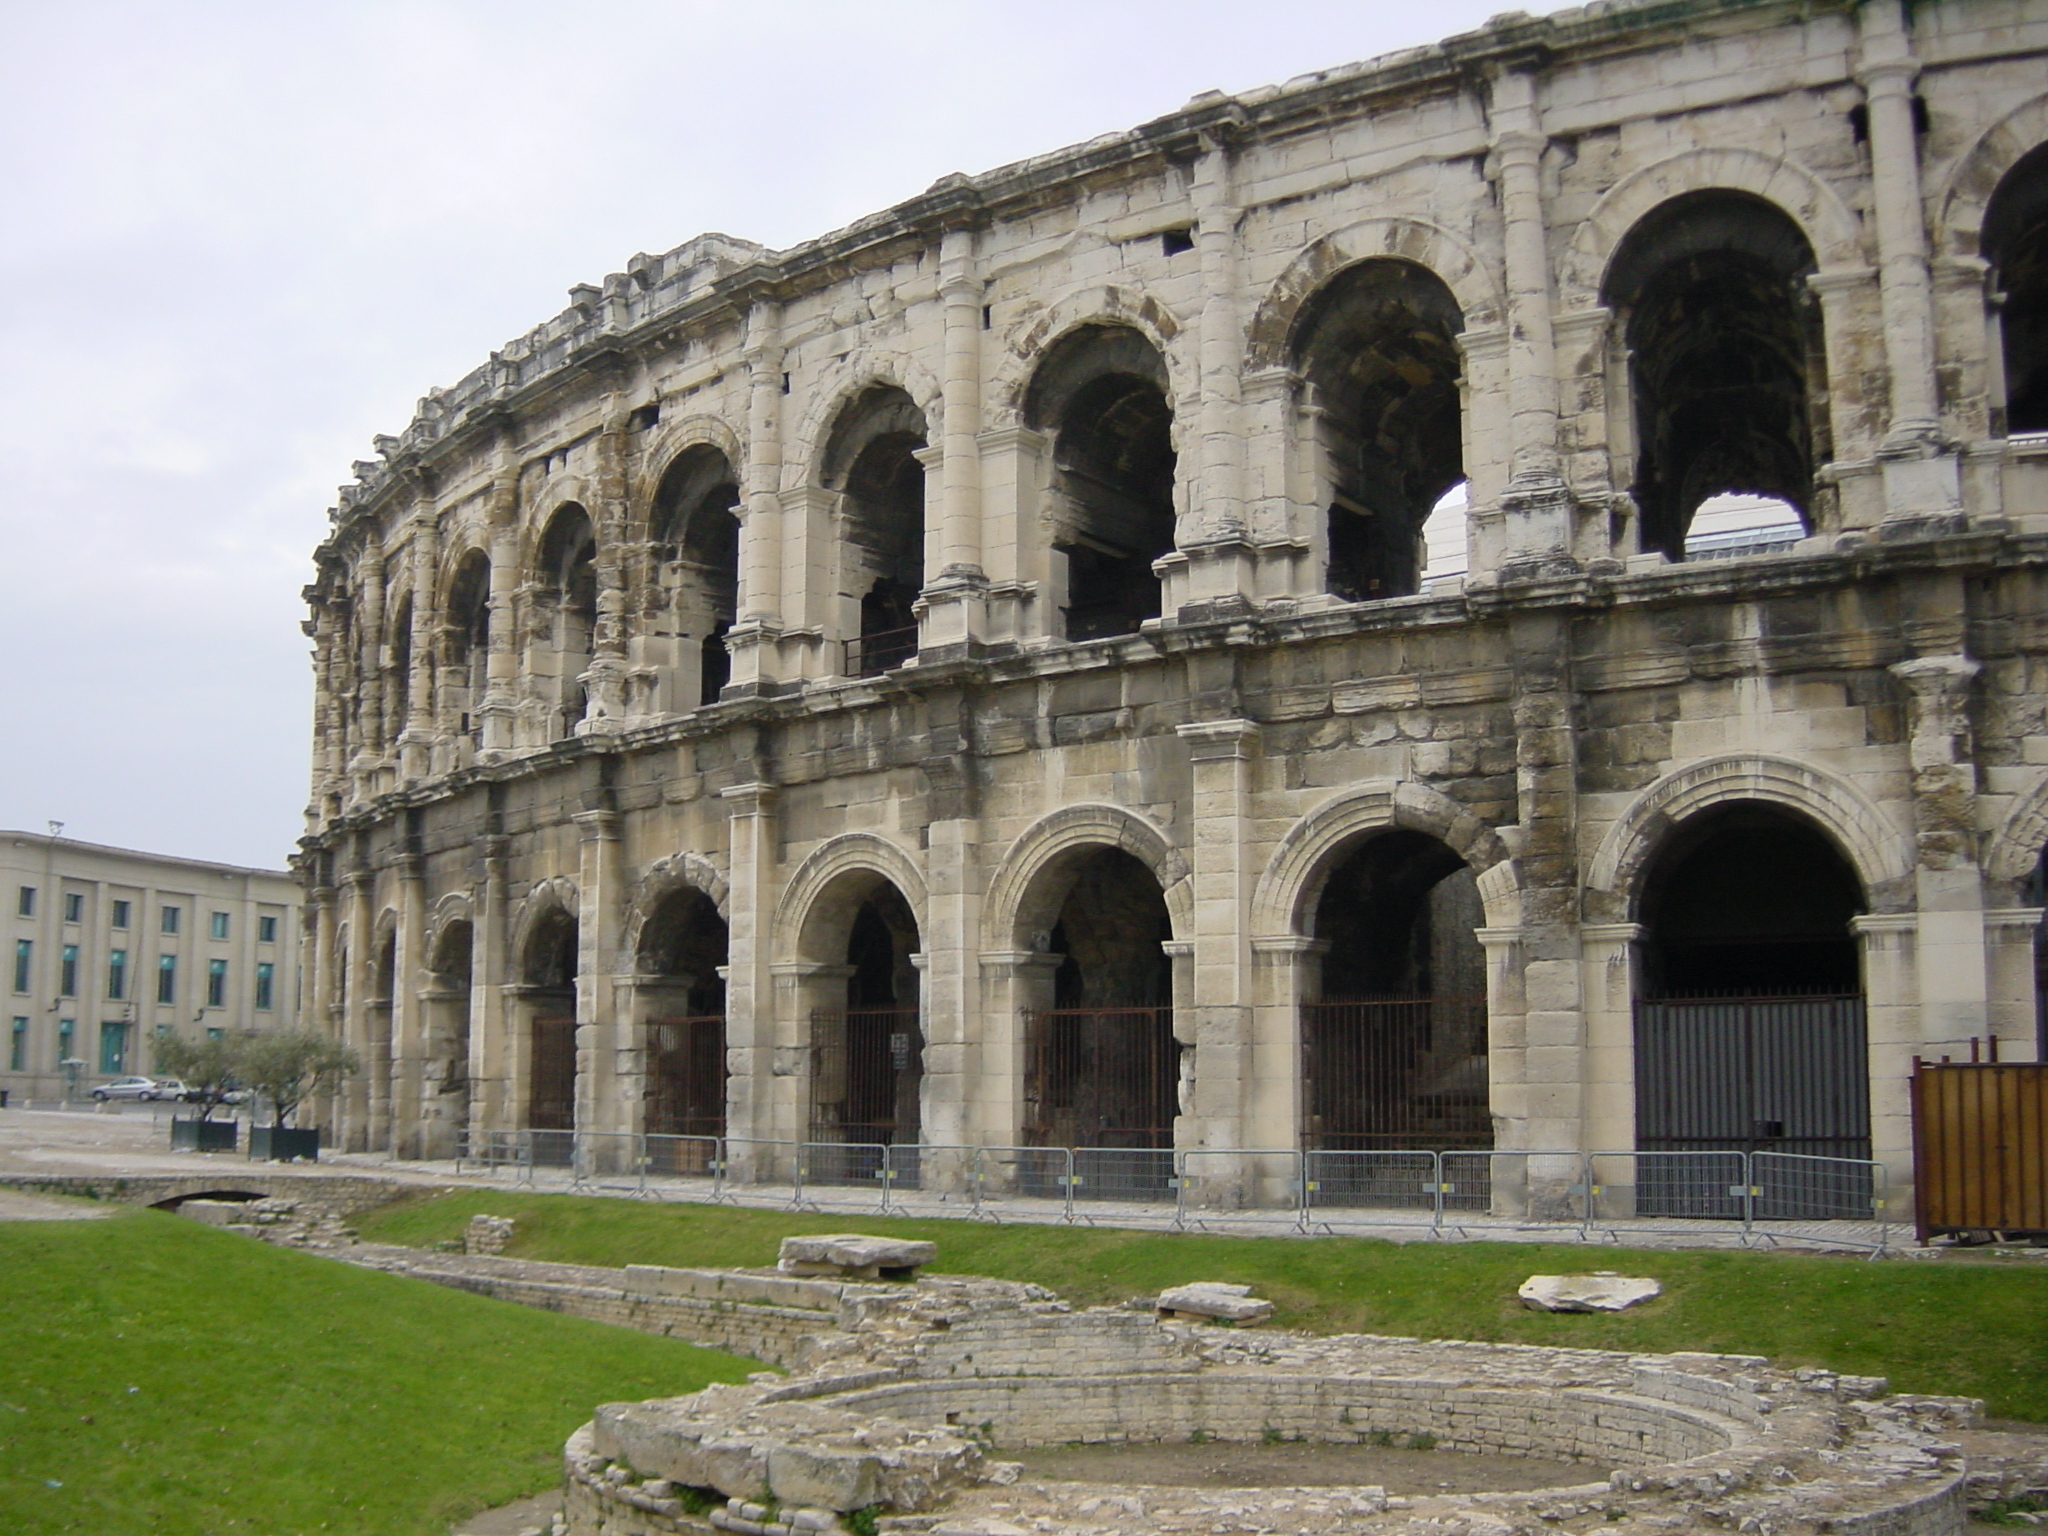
(551, 1098)
(1104, 1082)
(686, 1074)
(1784, 1075)
(867, 1065)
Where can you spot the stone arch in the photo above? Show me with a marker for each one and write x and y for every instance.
(1430, 246)
(1829, 226)
(670, 443)
(1030, 342)
(843, 383)
(1288, 889)
(553, 495)
(797, 923)
(2012, 851)
(1020, 904)
(1878, 852)
(555, 894)
(664, 877)
(455, 907)
(1966, 197)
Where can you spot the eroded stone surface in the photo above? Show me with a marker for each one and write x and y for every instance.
(1587, 1293)
(1215, 1300)
(854, 1256)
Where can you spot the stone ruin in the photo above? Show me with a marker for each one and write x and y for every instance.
(898, 1421)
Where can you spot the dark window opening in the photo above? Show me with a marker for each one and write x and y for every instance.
(549, 976)
(872, 460)
(568, 570)
(682, 958)
(2016, 245)
(644, 417)
(1174, 241)
(1725, 359)
(469, 638)
(1377, 351)
(867, 1073)
(1101, 393)
(697, 534)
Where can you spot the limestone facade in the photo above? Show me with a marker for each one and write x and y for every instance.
(973, 678)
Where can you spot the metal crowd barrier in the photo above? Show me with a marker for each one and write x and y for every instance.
(1750, 1196)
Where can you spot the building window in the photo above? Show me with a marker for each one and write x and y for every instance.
(120, 919)
(25, 903)
(167, 979)
(74, 906)
(113, 1048)
(169, 924)
(216, 983)
(24, 962)
(17, 1045)
(65, 1029)
(117, 974)
(266, 930)
(214, 1032)
(219, 925)
(266, 978)
(67, 971)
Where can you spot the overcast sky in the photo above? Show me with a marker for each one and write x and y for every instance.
(239, 239)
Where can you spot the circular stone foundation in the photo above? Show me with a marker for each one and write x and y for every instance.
(917, 1443)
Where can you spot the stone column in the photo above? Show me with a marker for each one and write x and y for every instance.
(1284, 974)
(1219, 1031)
(408, 1022)
(956, 590)
(750, 1022)
(498, 713)
(950, 993)
(359, 1098)
(754, 634)
(1210, 575)
(1283, 548)
(2010, 938)
(1920, 477)
(1013, 476)
(1607, 979)
(416, 745)
(1891, 988)
(1537, 509)
(490, 1049)
(369, 699)
(1013, 982)
(1948, 885)
(604, 681)
(601, 904)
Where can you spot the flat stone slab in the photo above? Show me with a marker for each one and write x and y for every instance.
(854, 1257)
(1586, 1293)
(1215, 1300)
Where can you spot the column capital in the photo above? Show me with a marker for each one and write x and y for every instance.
(1211, 740)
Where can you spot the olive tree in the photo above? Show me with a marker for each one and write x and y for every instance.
(208, 1067)
(290, 1066)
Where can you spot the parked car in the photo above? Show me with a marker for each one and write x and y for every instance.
(216, 1095)
(148, 1088)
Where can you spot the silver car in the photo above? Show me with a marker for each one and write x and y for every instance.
(148, 1088)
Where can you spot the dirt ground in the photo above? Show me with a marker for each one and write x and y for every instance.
(1235, 1464)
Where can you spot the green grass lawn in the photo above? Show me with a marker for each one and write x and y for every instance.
(1974, 1327)
(161, 1376)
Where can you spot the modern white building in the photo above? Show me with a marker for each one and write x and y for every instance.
(109, 948)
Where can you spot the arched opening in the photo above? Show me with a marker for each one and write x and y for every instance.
(1731, 527)
(867, 1068)
(1749, 1027)
(548, 993)
(2016, 245)
(871, 460)
(1726, 369)
(444, 1111)
(697, 542)
(1102, 1068)
(1102, 395)
(398, 690)
(379, 1007)
(1377, 352)
(681, 984)
(568, 609)
(1394, 1046)
(468, 646)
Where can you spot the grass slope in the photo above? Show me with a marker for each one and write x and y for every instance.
(1975, 1328)
(160, 1376)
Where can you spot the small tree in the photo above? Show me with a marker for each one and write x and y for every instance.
(207, 1067)
(290, 1066)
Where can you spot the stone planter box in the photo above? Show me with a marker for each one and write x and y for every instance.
(274, 1144)
(203, 1135)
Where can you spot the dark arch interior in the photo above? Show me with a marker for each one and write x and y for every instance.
(872, 459)
(682, 951)
(1377, 347)
(1724, 351)
(469, 635)
(568, 564)
(1395, 1048)
(448, 1008)
(401, 670)
(1101, 393)
(2016, 245)
(697, 535)
(1749, 900)
(1105, 1068)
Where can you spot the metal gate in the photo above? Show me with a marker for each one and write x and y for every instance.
(551, 1101)
(1980, 1146)
(1749, 1074)
(685, 1090)
(867, 1070)
(1105, 1082)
